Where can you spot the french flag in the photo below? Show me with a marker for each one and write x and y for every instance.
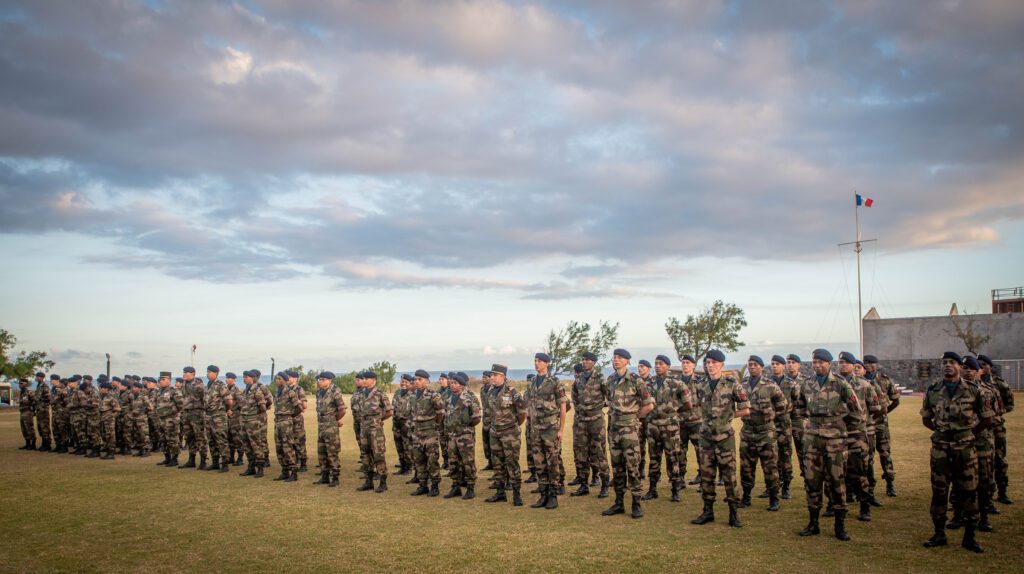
(865, 201)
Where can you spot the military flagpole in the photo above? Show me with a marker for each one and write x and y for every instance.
(857, 248)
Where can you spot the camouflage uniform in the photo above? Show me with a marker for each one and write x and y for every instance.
(123, 427)
(642, 434)
(194, 423)
(355, 402)
(826, 404)
(252, 407)
(42, 412)
(400, 427)
(76, 420)
(887, 394)
(26, 409)
(590, 429)
(59, 402)
(287, 406)
(462, 414)
(689, 428)
(299, 428)
(446, 395)
(985, 446)
(235, 439)
(999, 430)
(784, 431)
(156, 428)
(330, 408)
(671, 399)
(108, 408)
(139, 409)
(544, 397)
(425, 405)
(372, 413)
(860, 427)
(268, 401)
(216, 407)
(507, 404)
(757, 437)
(798, 417)
(169, 404)
(627, 395)
(92, 419)
(485, 423)
(719, 405)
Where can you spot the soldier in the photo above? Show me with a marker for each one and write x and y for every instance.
(299, 422)
(890, 398)
(122, 427)
(757, 437)
(375, 409)
(399, 423)
(287, 405)
(446, 394)
(156, 429)
(545, 399)
(59, 403)
(784, 423)
(485, 426)
(92, 417)
(643, 369)
(330, 409)
(268, 399)
(76, 415)
(168, 406)
(721, 398)
(826, 401)
(26, 408)
(42, 412)
(590, 429)
(194, 423)
(109, 408)
(427, 412)
(954, 410)
(689, 421)
(138, 418)
(356, 400)
(984, 444)
(234, 422)
(671, 399)
(508, 412)
(798, 418)
(462, 414)
(179, 385)
(217, 407)
(999, 424)
(252, 407)
(859, 433)
(628, 402)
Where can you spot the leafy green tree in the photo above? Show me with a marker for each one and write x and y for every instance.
(566, 347)
(717, 327)
(25, 363)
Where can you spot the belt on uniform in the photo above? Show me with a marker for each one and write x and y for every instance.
(664, 422)
(758, 427)
(825, 419)
(504, 427)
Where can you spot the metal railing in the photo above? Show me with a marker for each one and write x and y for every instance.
(1008, 293)
(1012, 371)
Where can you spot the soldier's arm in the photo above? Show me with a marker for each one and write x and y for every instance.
(986, 415)
(742, 404)
(926, 413)
(646, 400)
(386, 404)
(1006, 394)
(475, 411)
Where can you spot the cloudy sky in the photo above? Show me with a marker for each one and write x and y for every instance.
(441, 183)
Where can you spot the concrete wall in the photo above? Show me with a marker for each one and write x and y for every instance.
(923, 338)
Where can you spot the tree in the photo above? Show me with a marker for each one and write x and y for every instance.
(717, 327)
(25, 363)
(965, 331)
(566, 347)
(385, 370)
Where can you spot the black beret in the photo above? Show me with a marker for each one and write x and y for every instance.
(291, 374)
(105, 385)
(149, 379)
(102, 377)
(230, 375)
(497, 369)
(951, 355)
(972, 363)
(179, 380)
(622, 353)
(688, 358)
(645, 363)
(54, 377)
(213, 368)
(985, 359)
(451, 374)
(422, 374)
(848, 357)
(793, 357)
(87, 378)
(139, 385)
(870, 359)
(115, 380)
(189, 370)
(136, 377)
(577, 368)
(859, 362)
(442, 376)
(461, 378)
(589, 356)
(487, 373)
(40, 374)
(369, 375)
(407, 377)
(543, 357)
(165, 374)
(663, 359)
(822, 355)
(778, 359)
(715, 355)
(755, 359)
(256, 374)
(81, 386)
(326, 375)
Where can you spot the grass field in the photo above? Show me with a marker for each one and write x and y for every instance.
(68, 513)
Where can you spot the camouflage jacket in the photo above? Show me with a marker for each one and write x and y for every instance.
(826, 406)
(109, 405)
(300, 395)
(544, 397)
(985, 440)
(125, 397)
(692, 416)
(485, 407)
(235, 393)
(194, 393)
(268, 397)
(719, 405)
(507, 404)
(375, 408)
(330, 405)
(767, 404)
(89, 400)
(590, 395)
(217, 397)
(42, 393)
(793, 388)
(671, 400)
(954, 415)
(887, 393)
(251, 401)
(26, 400)
(59, 399)
(355, 401)
(424, 406)
(1004, 394)
(462, 412)
(169, 403)
(784, 420)
(627, 394)
(400, 403)
(139, 406)
(287, 403)
(863, 421)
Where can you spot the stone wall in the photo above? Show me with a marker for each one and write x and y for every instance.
(926, 338)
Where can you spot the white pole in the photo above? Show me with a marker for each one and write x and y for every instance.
(857, 250)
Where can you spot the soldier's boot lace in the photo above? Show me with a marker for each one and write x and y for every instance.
(617, 507)
(707, 516)
(636, 511)
(812, 528)
(840, 526)
(969, 542)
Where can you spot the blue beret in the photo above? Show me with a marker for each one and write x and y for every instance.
(87, 378)
(326, 375)
(422, 374)
(213, 368)
(407, 377)
(645, 363)
(282, 375)
(76, 378)
(247, 373)
(487, 373)
(972, 363)
(779, 359)
(255, 373)
(102, 377)
(822, 355)
(793, 357)
(847, 356)
(461, 378)
(230, 375)
(179, 380)
(40, 374)
(756, 359)
(622, 353)
(189, 370)
(951, 355)
(105, 385)
(369, 375)
(663, 359)
(115, 379)
(589, 356)
(291, 374)
(442, 376)
(54, 377)
(688, 358)
(451, 374)
(870, 359)
(138, 385)
(81, 386)
(136, 377)
(543, 357)
(985, 359)
(715, 355)
(577, 368)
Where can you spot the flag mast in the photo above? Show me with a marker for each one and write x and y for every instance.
(857, 248)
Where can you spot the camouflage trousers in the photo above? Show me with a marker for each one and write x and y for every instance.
(986, 473)
(759, 446)
(235, 432)
(825, 468)
(43, 424)
(28, 431)
(80, 429)
(486, 439)
(1001, 467)
(140, 432)
(663, 439)
(373, 449)
(883, 446)
(956, 466)
(108, 434)
(92, 428)
(531, 464)
(505, 447)
(328, 445)
(194, 428)
(462, 456)
(590, 447)
(688, 434)
(547, 450)
(425, 449)
(858, 461)
(61, 438)
(642, 435)
(217, 434)
(284, 440)
(443, 438)
(254, 439)
(400, 434)
(625, 453)
(797, 429)
(156, 430)
(718, 456)
(123, 430)
(171, 425)
(299, 428)
(784, 442)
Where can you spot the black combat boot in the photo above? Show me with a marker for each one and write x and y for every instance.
(552, 502)
(707, 516)
(958, 520)
(434, 489)
(578, 480)
(224, 466)
(763, 494)
(266, 463)
(873, 501)
(695, 480)
(422, 489)
(231, 456)
(745, 501)
(865, 511)
(992, 510)
(939, 538)
(26, 447)
(517, 499)
(773, 501)
(302, 467)
(285, 474)
(382, 485)
(202, 462)
(45, 447)
(840, 527)
(414, 480)
(259, 471)
(583, 490)
(849, 495)
(561, 489)
(538, 490)
(594, 481)
(544, 490)
(456, 490)
(604, 489)
(676, 486)
(95, 453)
(829, 511)
(144, 453)
(969, 542)
(367, 484)
(652, 491)
(77, 451)
(786, 494)
(325, 477)
(618, 507)
(334, 480)
(166, 461)
(293, 476)
(532, 478)
(734, 517)
(488, 467)
(812, 528)
(983, 524)
(470, 494)
(498, 496)
(249, 470)
(214, 464)
(1002, 498)
(240, 459)
(636, 511)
